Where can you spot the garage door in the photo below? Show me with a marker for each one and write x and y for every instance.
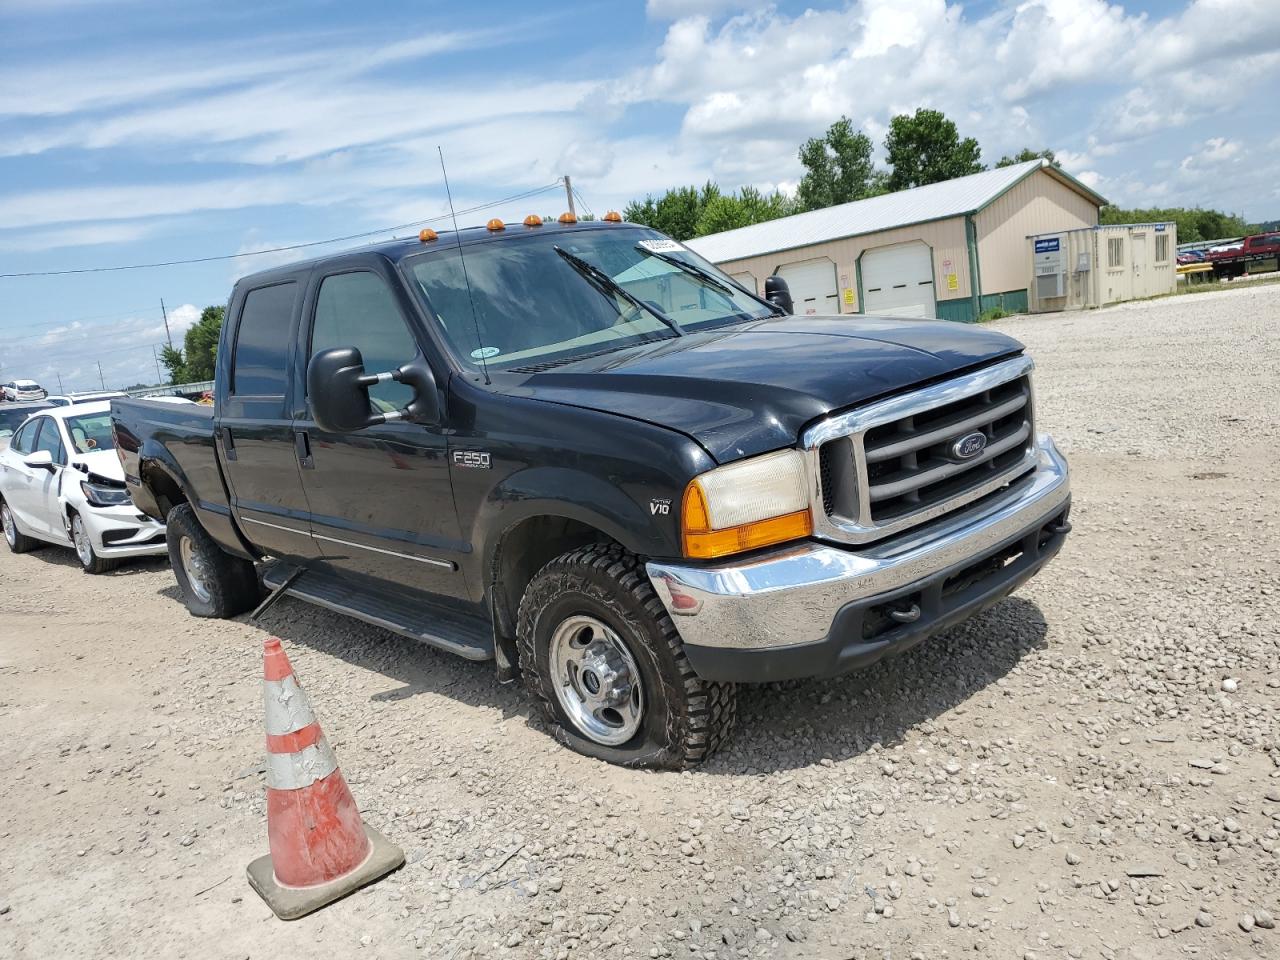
(813, 286)
(897, 281)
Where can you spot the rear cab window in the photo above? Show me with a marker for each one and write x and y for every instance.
(260, 351)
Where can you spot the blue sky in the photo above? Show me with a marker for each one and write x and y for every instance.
(134, 131)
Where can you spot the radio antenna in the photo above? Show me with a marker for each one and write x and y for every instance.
(484, 363)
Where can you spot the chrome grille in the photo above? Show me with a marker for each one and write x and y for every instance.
(892, 465)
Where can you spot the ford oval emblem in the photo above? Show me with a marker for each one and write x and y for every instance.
(969, 446)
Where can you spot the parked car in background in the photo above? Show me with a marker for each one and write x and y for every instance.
(61, 483)
(13, 414)
(65, 400)
(24, 390)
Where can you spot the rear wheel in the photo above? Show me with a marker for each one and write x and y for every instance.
(89, 561)
(18, 541)
(602, 657)
(213, 582)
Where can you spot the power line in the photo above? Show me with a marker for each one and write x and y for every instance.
(71, 329)
(291, 246)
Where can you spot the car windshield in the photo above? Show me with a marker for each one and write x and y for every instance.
(90, 431)
(537, 300)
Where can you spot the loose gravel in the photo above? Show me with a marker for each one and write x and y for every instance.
(1090, 769)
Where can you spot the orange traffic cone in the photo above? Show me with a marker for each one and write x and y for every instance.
(320, 849)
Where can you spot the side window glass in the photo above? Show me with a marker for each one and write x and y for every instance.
(358, 310)
(25, 438)
(262, 340)
(50, 439)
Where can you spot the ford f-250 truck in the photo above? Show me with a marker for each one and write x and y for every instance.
(582, 451)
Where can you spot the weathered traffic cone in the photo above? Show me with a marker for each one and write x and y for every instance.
(320, 849)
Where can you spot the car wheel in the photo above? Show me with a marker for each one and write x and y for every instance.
(18, 541)
(89, 561)
(213, 582)
(601, 656)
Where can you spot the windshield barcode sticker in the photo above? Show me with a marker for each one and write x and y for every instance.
(661, 246)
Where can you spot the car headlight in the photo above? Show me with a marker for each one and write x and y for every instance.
(742, 506)
(101, 495)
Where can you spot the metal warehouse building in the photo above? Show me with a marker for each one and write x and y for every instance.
(948, 250)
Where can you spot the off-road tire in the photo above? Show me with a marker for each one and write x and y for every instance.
(98, 565)
(21, 542)
(232, 582)
(686, 719)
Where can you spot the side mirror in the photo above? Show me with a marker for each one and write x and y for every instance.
(338, 388)
(778, 293)
(40, 460)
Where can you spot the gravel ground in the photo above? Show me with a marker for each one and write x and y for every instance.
(1091, 769)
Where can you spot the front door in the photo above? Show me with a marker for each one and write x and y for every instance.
(381, 499)
(256, 429)
(46, 510)
(1139, 259)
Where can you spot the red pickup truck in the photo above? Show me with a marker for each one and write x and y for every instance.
(1251, 255)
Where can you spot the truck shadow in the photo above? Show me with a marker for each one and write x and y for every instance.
(60, 556)
(780, 726)
(789, 726)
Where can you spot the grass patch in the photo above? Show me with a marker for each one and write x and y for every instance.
(994, 313)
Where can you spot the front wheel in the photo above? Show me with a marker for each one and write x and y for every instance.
(90, 562)
(213, 582)
(600, 654)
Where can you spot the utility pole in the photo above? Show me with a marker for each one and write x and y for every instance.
(101, 379)
(155, 356)
(59, 376)
(167, 335)
(568, 192)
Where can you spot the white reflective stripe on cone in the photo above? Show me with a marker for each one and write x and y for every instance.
(293, 771)
(287, 706)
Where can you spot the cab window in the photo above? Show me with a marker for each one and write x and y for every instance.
(359, 310)
(262, 341)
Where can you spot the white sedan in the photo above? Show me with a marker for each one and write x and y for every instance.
(61, 482)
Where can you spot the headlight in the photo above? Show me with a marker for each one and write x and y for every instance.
(100, 495)
(746, 505)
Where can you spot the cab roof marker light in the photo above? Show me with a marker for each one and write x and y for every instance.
(428, 235)
(613, 216)
(533, 220)
(495, 225)
(568, 217)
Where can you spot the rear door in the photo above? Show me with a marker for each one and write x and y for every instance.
(255, 430)
(381, 498)
(17, 480)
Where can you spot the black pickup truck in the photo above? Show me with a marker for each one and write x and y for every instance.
(583, 452)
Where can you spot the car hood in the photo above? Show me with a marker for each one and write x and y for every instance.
(751, 388)
(102, 463)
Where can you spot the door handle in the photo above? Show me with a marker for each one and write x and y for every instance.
(302, 447)
(228, 443)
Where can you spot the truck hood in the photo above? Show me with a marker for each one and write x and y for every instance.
(751, 388)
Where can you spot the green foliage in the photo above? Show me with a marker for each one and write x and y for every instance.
(195, 361)
(1193, 224)
(993, 313)
(838, 168)
(688, 212)
(926, 148)
(1025, 154)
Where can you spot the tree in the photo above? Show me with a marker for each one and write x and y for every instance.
(1193, 225)
(838, 167)
(676, 212)
(748, 206)
(926, 148)
(195, 361)
(1025, 154)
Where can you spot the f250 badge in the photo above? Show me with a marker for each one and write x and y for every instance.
(660, 508)
(472, 459)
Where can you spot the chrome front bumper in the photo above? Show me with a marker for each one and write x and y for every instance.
(794, 599)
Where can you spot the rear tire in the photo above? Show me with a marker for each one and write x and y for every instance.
(591, 614)
(90, 562)
(18, 541)
(213, 582)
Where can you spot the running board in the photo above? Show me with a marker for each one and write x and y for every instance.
(469, 637)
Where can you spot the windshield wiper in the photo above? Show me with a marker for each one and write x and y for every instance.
(705, 275)
(606, 284)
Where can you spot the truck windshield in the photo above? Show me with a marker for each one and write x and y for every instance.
(533, 306)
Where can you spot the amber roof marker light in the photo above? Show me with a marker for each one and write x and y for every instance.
(428, 235)
(613, 216)
(495, 225)
(533, 220)
(567, 217)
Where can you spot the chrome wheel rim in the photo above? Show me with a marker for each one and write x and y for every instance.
(596, 680)
(84, 549)
(10, 531)
(197, 571)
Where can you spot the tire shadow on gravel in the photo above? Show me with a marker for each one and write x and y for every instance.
(59, 556)
(789, 726)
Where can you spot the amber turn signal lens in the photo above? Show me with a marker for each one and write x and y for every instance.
(495, 224)
(567, 217)
(613, 216)
(426, 236)
(533, 220)
(703, 543)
